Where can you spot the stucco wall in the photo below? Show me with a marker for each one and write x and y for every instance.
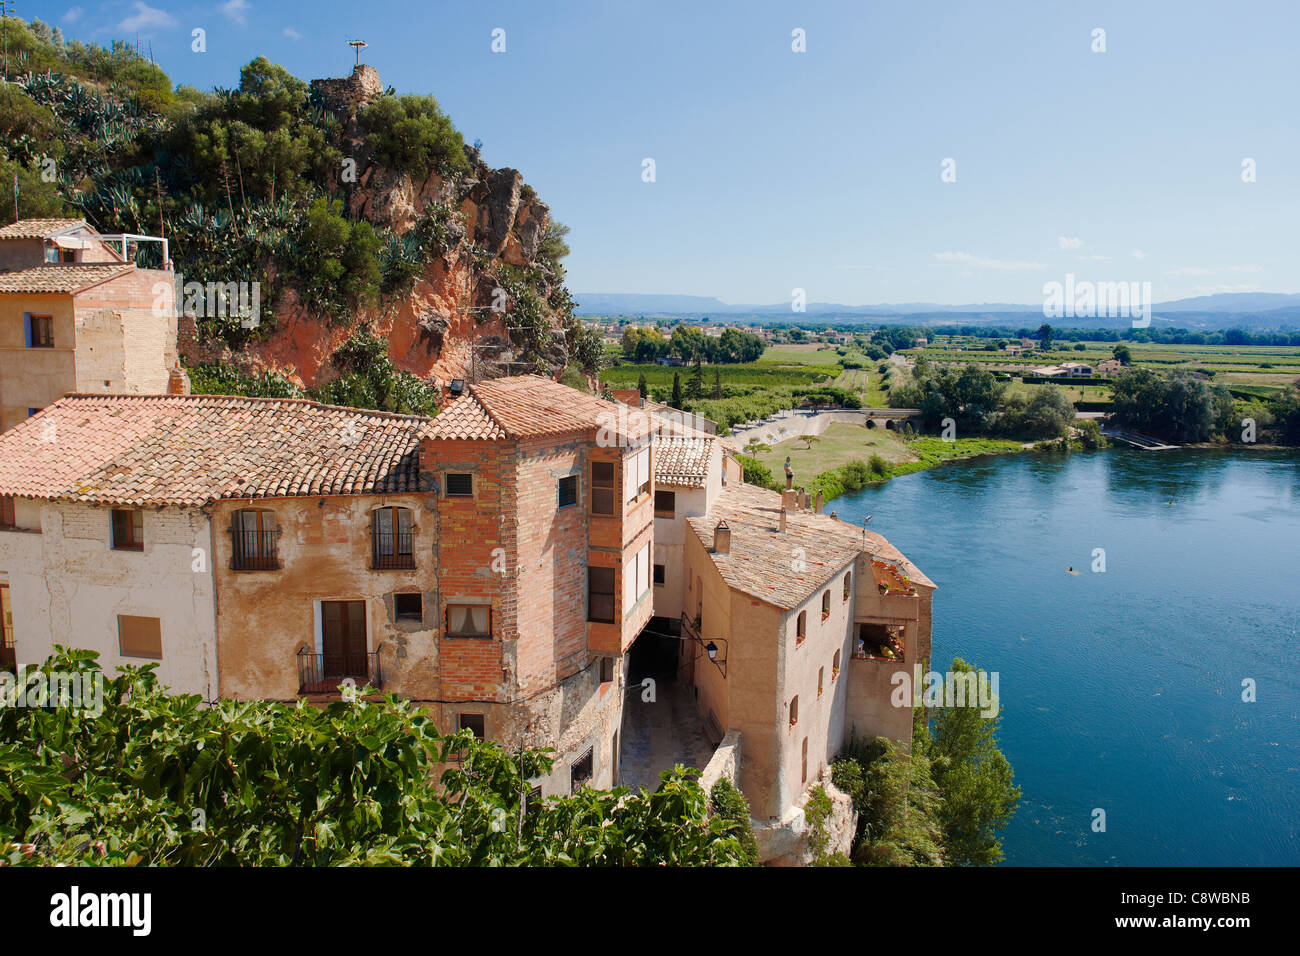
(67, 586)
(264, 617)
(144, 301)
(34, 378)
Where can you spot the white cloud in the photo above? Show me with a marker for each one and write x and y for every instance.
(1209, 271)
(145, 17)
(1139, 254)
(292, 34)
(235, 10)
(1066, 242)
(73, 15)
(980, 262)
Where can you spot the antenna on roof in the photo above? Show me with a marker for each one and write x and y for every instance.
(358, 45)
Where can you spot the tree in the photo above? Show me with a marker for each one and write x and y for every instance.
(411, 134)
(717, 383)
(161, 780)
(1045, 336)
(641, 386)
(676, 401)
(897, 803)
(809, 440)
(695, 385)
(973, 777)
(688, 343)
(1122, 353)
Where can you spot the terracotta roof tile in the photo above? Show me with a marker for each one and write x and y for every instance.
(683, 461)
(529, 406)
(761, 559)
(192, 449)
(63, 279)
(39, 228)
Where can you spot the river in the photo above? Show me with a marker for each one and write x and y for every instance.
(1122, 690)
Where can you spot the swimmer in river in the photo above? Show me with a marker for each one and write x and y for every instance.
(1071, 571)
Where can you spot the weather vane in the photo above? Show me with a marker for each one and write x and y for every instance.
(358, 45)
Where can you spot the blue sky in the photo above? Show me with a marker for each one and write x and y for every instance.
(821, 170)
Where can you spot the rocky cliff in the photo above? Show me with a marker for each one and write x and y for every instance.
(461, 316)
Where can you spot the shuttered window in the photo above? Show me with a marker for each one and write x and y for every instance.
(139, 636)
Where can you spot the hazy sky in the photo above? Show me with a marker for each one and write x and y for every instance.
(822, 170)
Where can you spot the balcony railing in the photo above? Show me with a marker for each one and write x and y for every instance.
(323, 673)
(392, 550)
(255, 550)
(8, 657)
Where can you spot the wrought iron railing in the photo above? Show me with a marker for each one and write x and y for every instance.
(255, 550)
(323, 673)
(392, 550)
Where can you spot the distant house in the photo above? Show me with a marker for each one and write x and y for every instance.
(922, 343)
(1077, 369)
(1109, 367)
(1048, 371)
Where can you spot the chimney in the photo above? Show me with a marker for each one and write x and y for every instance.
(820, 502)
(178, 383)
(722, 538)
(781, 526)
(789, 499)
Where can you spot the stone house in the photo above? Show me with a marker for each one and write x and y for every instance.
(76, 317)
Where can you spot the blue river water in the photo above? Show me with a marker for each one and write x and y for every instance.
(1122, 690)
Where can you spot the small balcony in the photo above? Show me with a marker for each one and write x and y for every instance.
(323, 673)
(392, 551)
(255, 550)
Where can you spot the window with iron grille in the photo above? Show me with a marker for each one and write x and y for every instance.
(568, 491)
(254, 537)
(460, 485)
(392, 538)
(581, 772)
(128, 530)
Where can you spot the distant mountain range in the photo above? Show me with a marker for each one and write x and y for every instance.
(1261, 310)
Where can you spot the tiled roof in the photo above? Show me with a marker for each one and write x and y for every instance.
(683, 461)
(529, 406)
(61, 278)
(762, 560)
(192, 449)
(39, 228)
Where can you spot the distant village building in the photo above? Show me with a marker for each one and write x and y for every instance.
(510, 566)
(76, 316)
(1109, 367)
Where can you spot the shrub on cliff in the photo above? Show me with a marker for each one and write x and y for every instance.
(411, 134)
(728, 804)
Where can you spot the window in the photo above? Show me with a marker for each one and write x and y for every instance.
(40, 331)
(602, 487)
(408, 607)
(636, 577)
(794, 710)
(343, 645)
(392, 538)
(128, 530)
(638, 474)
(665, 504)
(568, 491)
(600, 595)
(800, 628)
(826, 604)
(805, 760)
(253, 536)
(607, 670)
(835, 665)
(139, 636)
(469, 620)
(660, 571)
(848, 584)
(821, 671)
(471, 722)
(460, 486)
(580, 774)
(7, 519)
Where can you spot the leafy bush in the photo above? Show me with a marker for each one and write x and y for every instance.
(757, 473)
(161, 780)
(729, 805)
(411, 134)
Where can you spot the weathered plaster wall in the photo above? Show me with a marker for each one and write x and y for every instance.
(68, 586)
(265, 617)
(34, 378)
